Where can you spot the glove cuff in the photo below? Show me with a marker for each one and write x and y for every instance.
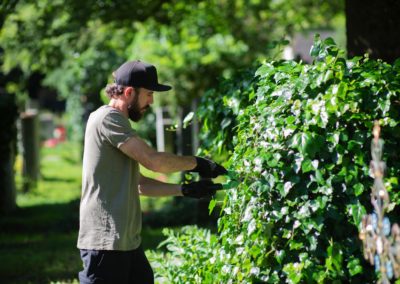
(199, 164)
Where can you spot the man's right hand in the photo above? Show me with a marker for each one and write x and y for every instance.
(208, 168)
(200, 189)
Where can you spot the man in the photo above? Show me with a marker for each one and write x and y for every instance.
(110, 216)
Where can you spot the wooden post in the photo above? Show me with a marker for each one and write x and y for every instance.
(195, 129)
(179, 133)
(160, 130)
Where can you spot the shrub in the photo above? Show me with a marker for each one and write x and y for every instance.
(298, 139)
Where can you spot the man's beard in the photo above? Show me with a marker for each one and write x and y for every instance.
(134, 111)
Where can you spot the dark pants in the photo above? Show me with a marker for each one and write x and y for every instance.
(122, 267)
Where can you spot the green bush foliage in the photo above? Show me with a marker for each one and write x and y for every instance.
(298, 138)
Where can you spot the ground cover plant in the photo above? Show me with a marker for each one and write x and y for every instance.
(297, 137)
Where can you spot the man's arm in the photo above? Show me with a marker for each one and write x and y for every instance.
(155, 161)
(152, 187)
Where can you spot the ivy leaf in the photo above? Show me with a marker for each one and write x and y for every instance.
(334, 259)
(301, 141)
(225, 123)
(316, 47)
(211, 206)
(307, 166)
(354, 266)
(340, 90)
(188, 119)
(357, 211)
(328, 75)
(265, 70)
(230, 184)
(358, 189)
(293, 270)
(280, 255)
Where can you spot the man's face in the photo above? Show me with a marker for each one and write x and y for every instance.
(139, 104)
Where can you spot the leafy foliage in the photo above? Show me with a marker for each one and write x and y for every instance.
(205, 40)
(76, 45)
(191, 256)
(299, 137)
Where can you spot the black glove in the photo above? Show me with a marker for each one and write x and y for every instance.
(199, 189)
(208, 169)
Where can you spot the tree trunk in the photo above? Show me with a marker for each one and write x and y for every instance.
(8, 116)
(373, 28)
(7, 184)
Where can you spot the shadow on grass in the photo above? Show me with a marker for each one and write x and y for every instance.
(58, 179)
(38, 244)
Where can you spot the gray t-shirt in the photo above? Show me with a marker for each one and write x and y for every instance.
(110, 215)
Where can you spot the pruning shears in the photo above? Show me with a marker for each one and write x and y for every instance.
(231, 183)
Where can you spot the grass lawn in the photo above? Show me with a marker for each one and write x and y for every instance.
(38, 241)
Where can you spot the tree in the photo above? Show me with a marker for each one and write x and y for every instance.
(372, 27)
(8, 115)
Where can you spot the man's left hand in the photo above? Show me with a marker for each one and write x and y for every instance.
(200, 189)
(208, 168)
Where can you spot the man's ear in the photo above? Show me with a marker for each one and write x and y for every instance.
(129, 91)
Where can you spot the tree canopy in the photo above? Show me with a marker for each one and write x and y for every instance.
(193, 41)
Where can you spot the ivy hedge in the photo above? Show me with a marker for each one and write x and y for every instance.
(297, 137)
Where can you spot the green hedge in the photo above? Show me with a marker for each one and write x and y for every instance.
(298, 138)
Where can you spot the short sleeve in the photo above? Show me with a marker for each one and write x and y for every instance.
(116, 129)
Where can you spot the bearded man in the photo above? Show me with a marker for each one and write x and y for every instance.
(110, 215)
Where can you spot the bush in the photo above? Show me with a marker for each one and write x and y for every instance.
(298, 138)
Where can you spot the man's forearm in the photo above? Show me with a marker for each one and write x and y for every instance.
(152, 187)
(169, 163)
(161, 162)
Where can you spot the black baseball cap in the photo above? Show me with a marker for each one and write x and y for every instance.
(139, 74)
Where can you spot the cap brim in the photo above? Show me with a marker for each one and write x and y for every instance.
(160, 88)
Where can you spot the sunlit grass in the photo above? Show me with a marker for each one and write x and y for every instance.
(60, 179)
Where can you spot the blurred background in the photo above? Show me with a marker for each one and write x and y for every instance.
(56, 57)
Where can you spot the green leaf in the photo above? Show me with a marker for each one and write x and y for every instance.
(280, 255)
(340, 90)
(293, 271)
(231, 184)
(265, 70)
(307, 166)
(188, 119)
(293, 245)
(357, 211)
(358, 189)
(354, 266)
(328, 75)
(225, 123)
(334, 259)
(211, 206)
(316, 47)
(329, 41)
(301, 142)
